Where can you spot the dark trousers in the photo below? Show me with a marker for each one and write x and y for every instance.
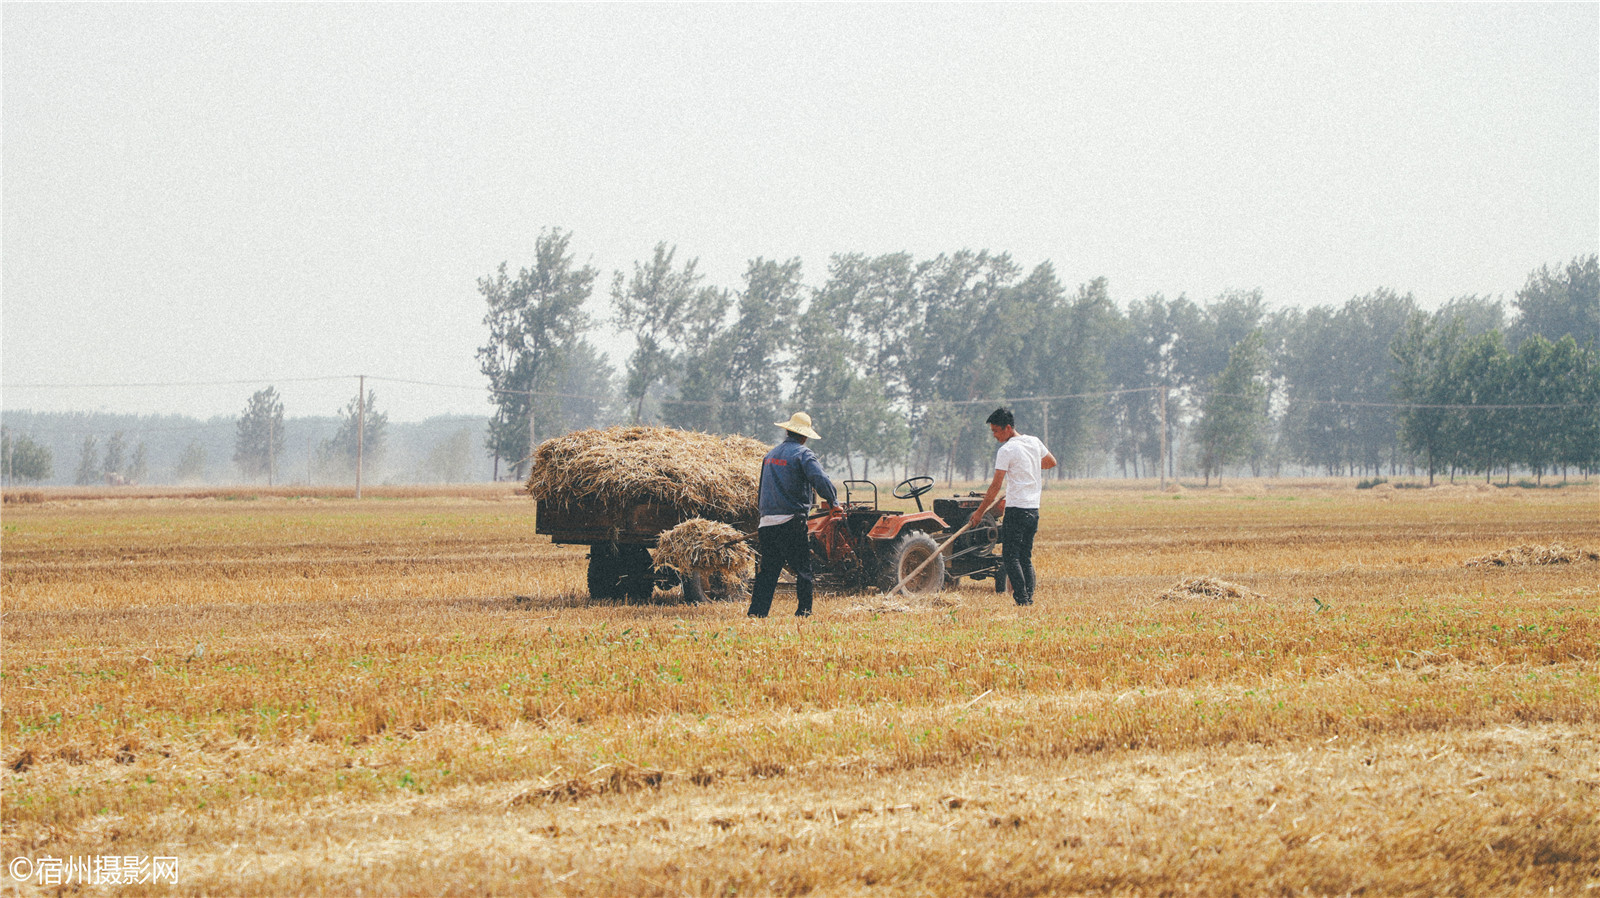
(1017, 528)
(783, 544)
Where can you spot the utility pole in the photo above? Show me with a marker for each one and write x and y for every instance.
(1046, 404)
(531, 443)
(1163, 438)
(361, 426)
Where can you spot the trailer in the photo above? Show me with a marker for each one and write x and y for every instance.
(620, 540)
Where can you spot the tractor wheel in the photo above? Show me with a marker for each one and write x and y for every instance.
(906, 555)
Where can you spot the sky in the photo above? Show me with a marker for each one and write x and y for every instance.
(203, 200)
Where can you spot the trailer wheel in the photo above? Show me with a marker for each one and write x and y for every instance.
(906, 555)
(605, 571)
(621, 571)
(638, 573)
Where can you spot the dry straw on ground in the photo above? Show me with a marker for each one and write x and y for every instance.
(1555, 553)
(696, 473)
(905, 603)
(1207, 588)
(707, 547)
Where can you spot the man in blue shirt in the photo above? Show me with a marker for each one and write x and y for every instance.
(789, 474)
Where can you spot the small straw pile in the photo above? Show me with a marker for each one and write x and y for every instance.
(695, 473)
(699, 546)
(905, 603)
(1207, 588)
(1528, 554)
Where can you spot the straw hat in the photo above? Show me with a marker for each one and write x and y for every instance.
(800, 423)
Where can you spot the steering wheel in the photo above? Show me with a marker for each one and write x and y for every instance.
(913, 487)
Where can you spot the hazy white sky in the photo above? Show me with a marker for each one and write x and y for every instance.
(274, 193)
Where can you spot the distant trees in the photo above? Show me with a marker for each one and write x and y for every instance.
(1472, 405)
(451, 460)
(259, 440)
(21, 459)
(898, 359)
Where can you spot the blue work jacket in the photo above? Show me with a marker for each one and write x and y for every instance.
(788, 475)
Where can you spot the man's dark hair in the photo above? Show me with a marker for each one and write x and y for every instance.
(1002, 417)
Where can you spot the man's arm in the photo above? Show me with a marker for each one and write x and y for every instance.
(1048, 462)
(819, 478)
(989, 498)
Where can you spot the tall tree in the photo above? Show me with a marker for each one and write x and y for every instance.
(139, 465)
(1140, 366)
(874, 302)
(1063, 354)
(23, 459)
(1482, 435)
(535, 321)
(1235, 408)
(967, 328)
(1561, 302)
(1423, 353)
(258, 442)
(116, 457)
(89, 470)
(660, 305)
(362, 434)
(588, 390)
(850, 408)
(1340, 411)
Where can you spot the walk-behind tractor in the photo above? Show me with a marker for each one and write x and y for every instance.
(857, 545)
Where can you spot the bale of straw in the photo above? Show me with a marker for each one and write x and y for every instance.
(1554, 553)
(695, 473)
(711, 548)
(1207, 588)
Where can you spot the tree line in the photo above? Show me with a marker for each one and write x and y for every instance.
(899, 359)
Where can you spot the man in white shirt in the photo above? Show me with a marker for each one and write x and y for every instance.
(1019, 465)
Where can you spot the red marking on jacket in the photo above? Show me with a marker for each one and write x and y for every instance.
(780, 462)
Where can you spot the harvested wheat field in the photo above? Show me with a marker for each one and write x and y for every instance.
(1276, 688)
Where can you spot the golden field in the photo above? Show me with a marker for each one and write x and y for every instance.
(410, 694)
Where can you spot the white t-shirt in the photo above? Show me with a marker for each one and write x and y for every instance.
(1022, 458)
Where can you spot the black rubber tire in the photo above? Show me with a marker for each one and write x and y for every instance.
(638, 573)
(605, 572)
(903, 557)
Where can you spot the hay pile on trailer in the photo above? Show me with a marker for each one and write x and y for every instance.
(711, 548)
(698, 474)
(1554, 553)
